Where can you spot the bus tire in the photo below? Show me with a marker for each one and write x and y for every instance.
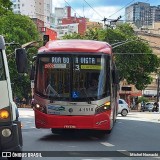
(109, 131)
(56, 131)
(99, 134)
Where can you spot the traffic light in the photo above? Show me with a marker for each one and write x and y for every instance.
(45, 39)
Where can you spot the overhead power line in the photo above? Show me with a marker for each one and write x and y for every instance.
(121, 8)
(115, 20)
(132, 10)
(111, 20)
(93, 9)
(72, 8)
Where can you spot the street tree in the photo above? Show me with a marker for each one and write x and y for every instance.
(5, 7)
(133, 56)
(18, 29)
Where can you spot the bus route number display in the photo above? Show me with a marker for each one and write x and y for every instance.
(85, 60)
(59, 60)
(87, 63)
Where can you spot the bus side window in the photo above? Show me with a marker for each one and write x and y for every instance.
(115, 75)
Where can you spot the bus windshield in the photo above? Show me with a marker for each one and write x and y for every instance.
(2, 70)
(75, 77)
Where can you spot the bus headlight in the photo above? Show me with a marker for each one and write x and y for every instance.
(6, 132)
(37, 106)
(103, 108)
(4, 114)
(40, 108)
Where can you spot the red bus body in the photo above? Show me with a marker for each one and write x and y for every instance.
(94, 114)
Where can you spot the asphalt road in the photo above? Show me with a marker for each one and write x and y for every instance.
(139, 131)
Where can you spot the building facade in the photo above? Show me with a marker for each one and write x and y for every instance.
(81, 23)
(142, 14)
(66, 29)
(128, 92)
(64, 23)
(45, 30)
(40, 9)
(60, 13)
(93, 25)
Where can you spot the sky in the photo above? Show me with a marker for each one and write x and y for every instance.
(96, 10)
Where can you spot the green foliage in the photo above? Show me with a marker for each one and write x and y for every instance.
(126, 29)
(73, 36)
(134, 59)
(142, 99)
(5, 7)
(19, 29)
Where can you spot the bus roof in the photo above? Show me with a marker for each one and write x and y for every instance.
(76, 46)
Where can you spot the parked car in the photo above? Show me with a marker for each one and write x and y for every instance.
(123, 108)
(149, 106)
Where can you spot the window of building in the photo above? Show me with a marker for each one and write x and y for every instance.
(48, 19)
(48, 7)
(60, 21)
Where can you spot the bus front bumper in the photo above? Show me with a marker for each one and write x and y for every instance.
(14, 141)
(95, 122)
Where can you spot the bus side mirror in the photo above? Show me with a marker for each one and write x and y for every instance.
(115, 75)
(21, 60)
(32, 72)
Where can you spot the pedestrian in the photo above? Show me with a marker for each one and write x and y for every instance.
(156, 107)
(23, 102)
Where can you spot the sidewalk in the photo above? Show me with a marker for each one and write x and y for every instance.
(26, 106)
(151, 116)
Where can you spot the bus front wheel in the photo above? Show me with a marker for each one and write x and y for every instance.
(56, 131)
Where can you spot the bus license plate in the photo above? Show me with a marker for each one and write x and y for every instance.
(69, 126)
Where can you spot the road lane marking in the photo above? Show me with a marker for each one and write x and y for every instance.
(107, 144)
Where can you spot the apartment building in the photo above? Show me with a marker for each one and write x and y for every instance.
(40, 9)
(60, 13)
(66, 29)
(64, 23)
(142, 14)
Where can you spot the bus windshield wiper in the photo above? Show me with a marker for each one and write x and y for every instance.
(86, 94)
(50, 90)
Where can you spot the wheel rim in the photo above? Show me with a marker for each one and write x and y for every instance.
(124, 112)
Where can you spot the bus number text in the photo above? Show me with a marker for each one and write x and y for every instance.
(86, 109)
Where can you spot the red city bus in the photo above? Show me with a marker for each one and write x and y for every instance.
(75, 86)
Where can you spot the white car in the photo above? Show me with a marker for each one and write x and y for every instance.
(123, 108)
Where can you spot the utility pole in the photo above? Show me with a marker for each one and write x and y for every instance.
(115, 20)
(110, 20)
(104, 21)
(158, 79)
